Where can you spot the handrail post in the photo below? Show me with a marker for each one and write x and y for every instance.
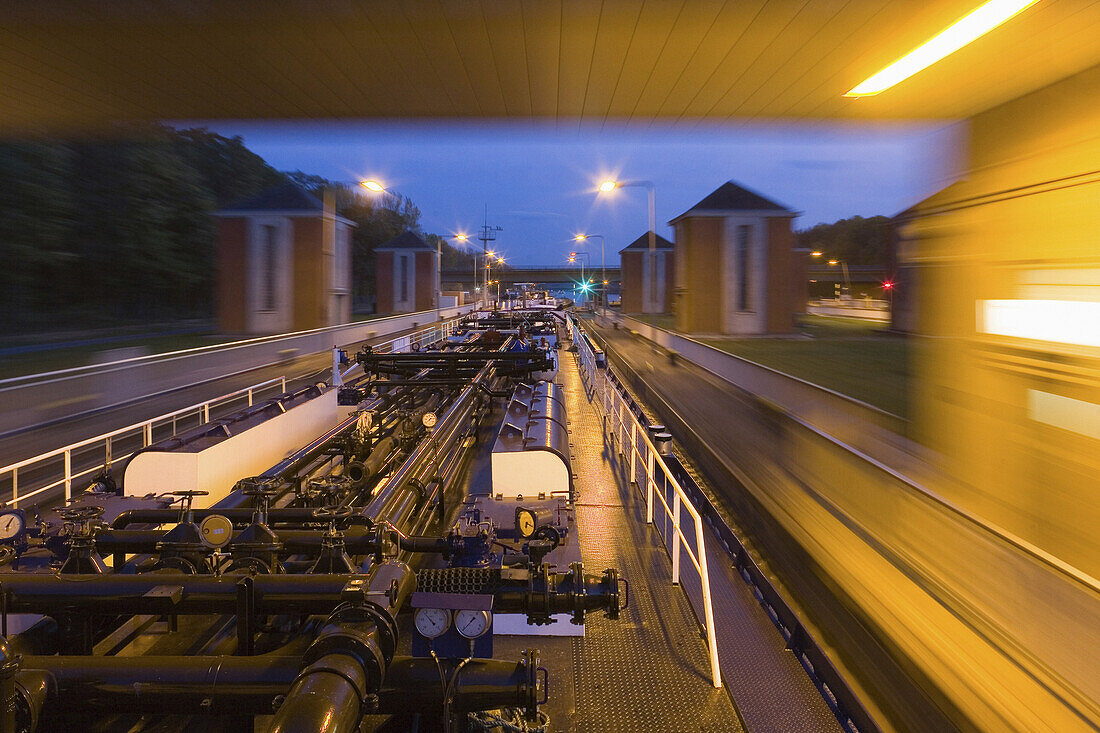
(708, 611)
(68, 475)
(147, 434)
(649, 487)
(206, 413)
(15, 487)
(676, 530)
(633, 452)
(249, 404)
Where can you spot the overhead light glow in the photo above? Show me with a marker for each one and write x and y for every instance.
(816, 254)
(963, 31)
(581, 237)
(460, 237)
(374, 186)
(608, 185)
(833, 262)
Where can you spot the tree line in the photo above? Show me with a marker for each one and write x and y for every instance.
(103, 231)
(857, 241)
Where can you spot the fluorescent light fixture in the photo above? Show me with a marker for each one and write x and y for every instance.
(963, 31)
(1073, 322)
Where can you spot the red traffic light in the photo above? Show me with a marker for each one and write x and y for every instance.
(887, 285)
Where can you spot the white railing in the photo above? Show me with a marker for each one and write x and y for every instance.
(55, 468)
(419, 339)
(638, 454)
(102, 445)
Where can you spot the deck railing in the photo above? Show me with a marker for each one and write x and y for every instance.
(53, 469)
(56, 468)
(646, 469)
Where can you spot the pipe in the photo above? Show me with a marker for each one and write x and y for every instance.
(358, 539)
(326, 697)
(61, 686)
(346, 663)
(174, 593)
(9, 666)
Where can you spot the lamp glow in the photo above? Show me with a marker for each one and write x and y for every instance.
(581, 237)
(373, 186)
(816, 254)
(608, 185)
(832, 262)
(460, 237)
(963, 31)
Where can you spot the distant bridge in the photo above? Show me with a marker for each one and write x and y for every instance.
(570, 273)
(534, 274)
(856, 273)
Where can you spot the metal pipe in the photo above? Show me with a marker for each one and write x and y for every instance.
(357, 538)
(170, 593)
(346, 663)
(56, 687)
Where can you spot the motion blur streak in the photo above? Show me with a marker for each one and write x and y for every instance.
(1008, 405)
(1062, 321)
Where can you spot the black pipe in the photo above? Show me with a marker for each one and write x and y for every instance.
(170, 593)
(230, 685)
(346, 663)
(358, 539)
(239, 516)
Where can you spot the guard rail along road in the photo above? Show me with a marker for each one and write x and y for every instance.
(39, 399)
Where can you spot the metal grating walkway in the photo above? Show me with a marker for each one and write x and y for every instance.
(649, 670)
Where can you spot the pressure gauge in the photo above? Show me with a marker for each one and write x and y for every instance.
(216, 531)
(432, 622)
(429, 419)
(525, 522)
(11, 525)
(472, 624)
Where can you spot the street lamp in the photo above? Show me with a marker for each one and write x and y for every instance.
(603, 261)
(584, 281)
(610, 185)
(844, 267)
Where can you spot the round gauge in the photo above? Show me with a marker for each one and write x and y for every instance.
(472, 624)
(10, 525)
(216, 531)
(525, 522)
(429, 419)
(432, 622)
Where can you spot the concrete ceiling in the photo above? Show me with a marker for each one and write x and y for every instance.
(72, 65)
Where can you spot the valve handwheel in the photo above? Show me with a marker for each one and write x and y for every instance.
(186, 496)
(81, 514)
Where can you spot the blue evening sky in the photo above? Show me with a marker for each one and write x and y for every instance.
(538, 181)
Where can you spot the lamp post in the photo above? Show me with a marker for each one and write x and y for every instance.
(610, 185)
(584, 281)
(847, 280)
(843, 266)
(603, 266)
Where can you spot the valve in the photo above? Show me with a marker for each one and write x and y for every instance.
(327, 490)
(82, 556)
(182, 548)
(186, 497)
(334, 557)
(262, 491)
